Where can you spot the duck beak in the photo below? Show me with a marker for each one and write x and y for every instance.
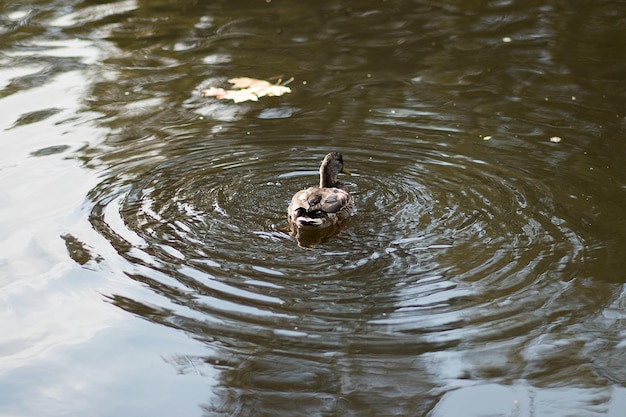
(345, 171)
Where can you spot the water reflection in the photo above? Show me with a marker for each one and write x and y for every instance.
(484, 260)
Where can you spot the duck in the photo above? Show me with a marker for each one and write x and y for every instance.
(323, 207)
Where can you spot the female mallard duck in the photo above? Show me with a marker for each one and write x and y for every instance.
(327, 205)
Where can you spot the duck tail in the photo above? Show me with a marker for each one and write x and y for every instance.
(312, 218)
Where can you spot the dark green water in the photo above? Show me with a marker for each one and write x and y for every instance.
(142, 267)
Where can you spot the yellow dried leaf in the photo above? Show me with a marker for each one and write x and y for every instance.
(245, 82)
(246, 89)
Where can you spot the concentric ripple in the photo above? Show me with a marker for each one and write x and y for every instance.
(442, 246)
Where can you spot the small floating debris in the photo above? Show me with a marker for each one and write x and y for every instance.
(247, 89)
(555, 139)
(486, 137)
(507, 39)
(50, 150)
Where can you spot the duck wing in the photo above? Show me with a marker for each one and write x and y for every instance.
(329, 200)
(324, 200)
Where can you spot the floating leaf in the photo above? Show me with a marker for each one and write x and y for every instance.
(247, 89)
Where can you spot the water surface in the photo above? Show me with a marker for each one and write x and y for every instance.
(144, 270)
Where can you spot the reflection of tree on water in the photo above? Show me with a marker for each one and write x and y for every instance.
(269, 371)
(279, 382)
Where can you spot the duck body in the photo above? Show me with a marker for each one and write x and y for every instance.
(330, 204)
(318, 207)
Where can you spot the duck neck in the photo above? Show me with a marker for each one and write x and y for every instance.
(327, 179)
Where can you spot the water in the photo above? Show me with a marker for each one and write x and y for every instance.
(144, 270)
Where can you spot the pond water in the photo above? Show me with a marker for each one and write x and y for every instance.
(144, 269)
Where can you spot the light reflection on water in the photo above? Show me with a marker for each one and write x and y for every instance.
(481, 274)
